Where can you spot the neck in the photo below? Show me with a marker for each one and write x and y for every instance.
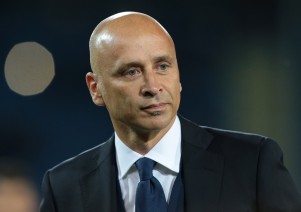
(141, 141)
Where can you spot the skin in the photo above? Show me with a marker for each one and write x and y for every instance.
(136, 77)
(17, 195)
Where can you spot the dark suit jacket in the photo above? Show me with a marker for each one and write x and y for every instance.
(222, 171)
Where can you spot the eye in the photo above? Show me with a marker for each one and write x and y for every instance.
(163, 67)
(132, 72)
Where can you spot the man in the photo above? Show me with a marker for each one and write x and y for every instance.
(136, 77)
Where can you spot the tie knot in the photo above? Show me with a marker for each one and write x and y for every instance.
(145, 168)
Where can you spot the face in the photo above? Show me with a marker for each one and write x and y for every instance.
(138, 82)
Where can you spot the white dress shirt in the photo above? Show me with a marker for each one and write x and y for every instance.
(167, 154)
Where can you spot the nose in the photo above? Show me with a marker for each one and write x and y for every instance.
(152, 85)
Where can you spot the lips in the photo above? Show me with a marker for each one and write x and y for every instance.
(155, 107)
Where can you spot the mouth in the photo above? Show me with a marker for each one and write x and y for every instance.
(155, 108)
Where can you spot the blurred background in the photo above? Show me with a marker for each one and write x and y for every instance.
(239, 64)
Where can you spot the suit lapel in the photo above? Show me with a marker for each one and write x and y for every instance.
(202, 170)
(99, 183)
(202, 174)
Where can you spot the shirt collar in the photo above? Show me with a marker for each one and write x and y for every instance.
(166, 152)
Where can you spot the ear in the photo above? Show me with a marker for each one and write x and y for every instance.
(95, 90)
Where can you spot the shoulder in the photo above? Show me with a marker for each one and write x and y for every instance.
(223, 141)
(84, 162)
(244, 142)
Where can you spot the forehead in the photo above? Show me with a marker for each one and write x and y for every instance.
(148, 43)
(132, 47)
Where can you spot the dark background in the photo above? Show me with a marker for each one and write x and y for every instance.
(239, 64)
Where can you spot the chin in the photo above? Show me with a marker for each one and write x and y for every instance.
(157, 122)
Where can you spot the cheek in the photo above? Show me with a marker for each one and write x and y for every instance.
(120, 100)
(175, 89)
(129, 102)
(176, 95)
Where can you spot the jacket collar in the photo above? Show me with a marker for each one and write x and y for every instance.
(202, 169)
(99, 183)
(202, 174)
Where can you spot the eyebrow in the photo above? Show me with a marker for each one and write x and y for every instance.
(162, 58)
(129, 65)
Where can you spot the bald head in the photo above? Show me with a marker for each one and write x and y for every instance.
(121, 26)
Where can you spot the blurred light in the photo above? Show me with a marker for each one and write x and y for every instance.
(29, 68)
